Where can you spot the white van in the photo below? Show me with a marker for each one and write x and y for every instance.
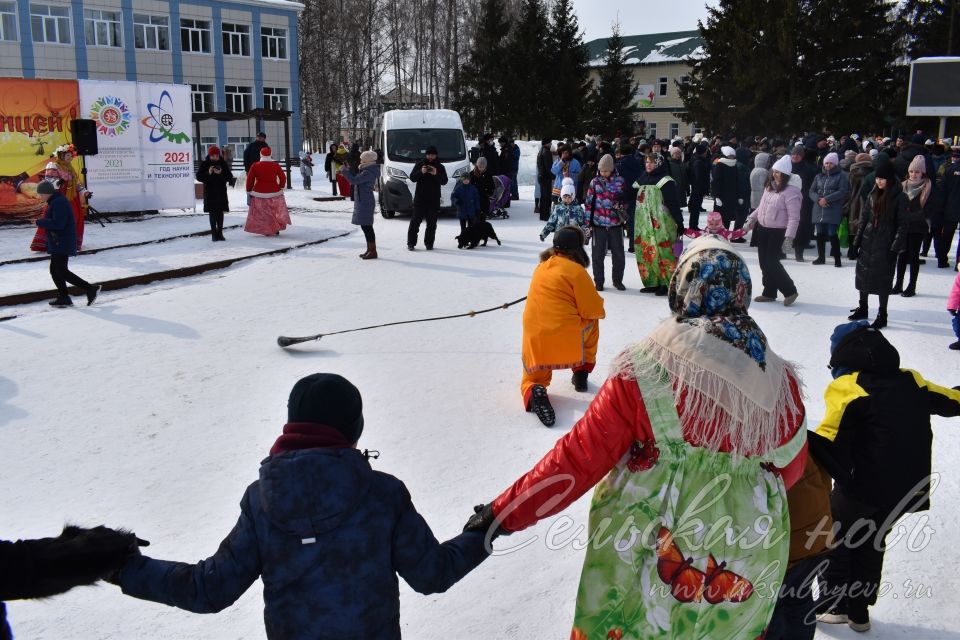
(402, 138)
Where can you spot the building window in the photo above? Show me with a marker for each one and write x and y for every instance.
(238, 98)
(651, 131)
(674, 130)
(684, 80)
(8, 21)
(195, 36)
(695, 129)
(202, 97)
(273, 41)
(662, 86)
(237, 144)
(236, 39)
(276, 98)
(151, 32)
(50, 23)
(101, 28)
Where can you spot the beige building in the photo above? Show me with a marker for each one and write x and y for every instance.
(658, 61)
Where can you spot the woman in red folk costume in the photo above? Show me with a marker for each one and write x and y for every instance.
(60, 172)
(268, 213)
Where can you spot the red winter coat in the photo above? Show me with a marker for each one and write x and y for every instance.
(265, 177)
(615, 419)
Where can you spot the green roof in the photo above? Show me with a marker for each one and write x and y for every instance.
(651, 48)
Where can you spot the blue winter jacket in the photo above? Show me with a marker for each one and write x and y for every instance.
(60, 225)
(467, 201)
(365, 203)
(557, 170)
(327, 535)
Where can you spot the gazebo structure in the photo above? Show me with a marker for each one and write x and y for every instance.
(259, 115)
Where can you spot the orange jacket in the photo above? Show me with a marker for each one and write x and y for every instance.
(561, 304)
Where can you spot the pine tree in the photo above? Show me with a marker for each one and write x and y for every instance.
(930, 27)
(611, 102)
(527, 66)
(568, 82)
(479, 95)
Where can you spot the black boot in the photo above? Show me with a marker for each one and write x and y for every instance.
(220, 226)
(213, 226)
(897, 286)
(835, 249)
(540, 405)
(860, 313)
(579, 380)
(881, 320)
(92, 293)
(821, 249)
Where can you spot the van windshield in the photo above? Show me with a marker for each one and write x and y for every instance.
(410, 145)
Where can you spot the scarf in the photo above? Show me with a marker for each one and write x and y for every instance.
(308, 435)
(923, 186)
(364, 165)
(716, 358)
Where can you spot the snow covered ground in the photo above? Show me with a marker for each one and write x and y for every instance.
(153, 408)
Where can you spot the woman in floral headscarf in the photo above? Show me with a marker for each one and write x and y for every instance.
(691, 442)
(658, 223)
(60, 172)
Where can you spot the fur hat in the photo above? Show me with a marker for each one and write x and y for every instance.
(784, 165)
(862, 157)
(832, 158)
(886, 171)
(919, 163)
(330, 400)
(606, 163)
(568, 189)
(46, 188)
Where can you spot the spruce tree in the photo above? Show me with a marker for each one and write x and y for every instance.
(611, 102)
(527, 66)
(930, 27)
(564, 89)
(479, 95)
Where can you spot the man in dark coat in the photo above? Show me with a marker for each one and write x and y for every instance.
(875, 440)
(743, 189)
(325, 533)
(943, 223)
(630, 168)
(251, 153)
(489, 151)
(909, 152)
(723, 185)
(807, 173)
(215, 174)
(699, 182)
(430, 175)
(545, 178)
(61, 244)
(46, 567)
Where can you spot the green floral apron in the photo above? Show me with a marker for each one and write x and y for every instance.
(655, 232)
(684, 542)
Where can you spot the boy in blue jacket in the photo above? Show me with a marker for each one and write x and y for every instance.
(566, 212)
(326, 533)
(61, 244)
(467, 201)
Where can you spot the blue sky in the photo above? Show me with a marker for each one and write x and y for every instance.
(638, 16)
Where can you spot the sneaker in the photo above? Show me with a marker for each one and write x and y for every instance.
(579, 380)
(859, 621)
(789, 300)
(764, 299)
(834, 616)
(540, 405)
(955, 346)
(62, 302)
(92, 293)
(619, 286)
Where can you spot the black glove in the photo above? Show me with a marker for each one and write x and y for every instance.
(483, 519)
(953, 312)
(853, 252)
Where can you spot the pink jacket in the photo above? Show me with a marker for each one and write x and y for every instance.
(953, 302)
(778, 210)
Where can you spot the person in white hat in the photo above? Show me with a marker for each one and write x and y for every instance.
(774, 224)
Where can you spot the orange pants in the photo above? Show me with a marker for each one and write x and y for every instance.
(544, 376)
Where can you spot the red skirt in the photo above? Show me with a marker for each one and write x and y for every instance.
(267, 216)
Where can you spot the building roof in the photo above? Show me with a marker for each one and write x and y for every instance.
(279, 4)
(651, 48)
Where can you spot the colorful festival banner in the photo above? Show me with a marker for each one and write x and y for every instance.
(145, 158)
(35, 119)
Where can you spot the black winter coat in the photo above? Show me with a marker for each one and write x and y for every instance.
(485, 187)
(699, 176)
(215, 185)
(630, 168)
(950, 193)
(428, 184)
(544, 165)
(918, 214)
(807, 173)
(670, 193)
(587, 173)
(723, 186)
(879, 243)
(251, 154)
(493, 159)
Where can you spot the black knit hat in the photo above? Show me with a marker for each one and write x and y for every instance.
(570, 241)
(327, 399)
(431, 149)
(886, 171)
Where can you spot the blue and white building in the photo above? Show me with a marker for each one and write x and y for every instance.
(236, 55)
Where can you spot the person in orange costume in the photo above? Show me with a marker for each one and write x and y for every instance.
(60, 172)
(560, 322)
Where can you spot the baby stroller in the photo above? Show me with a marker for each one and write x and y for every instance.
(500, 198)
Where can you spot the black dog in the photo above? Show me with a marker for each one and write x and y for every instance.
(479, 230)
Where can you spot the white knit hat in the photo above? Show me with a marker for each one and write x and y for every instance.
(568, 189)
(784, 165)
(728, 152)
(832, 158)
